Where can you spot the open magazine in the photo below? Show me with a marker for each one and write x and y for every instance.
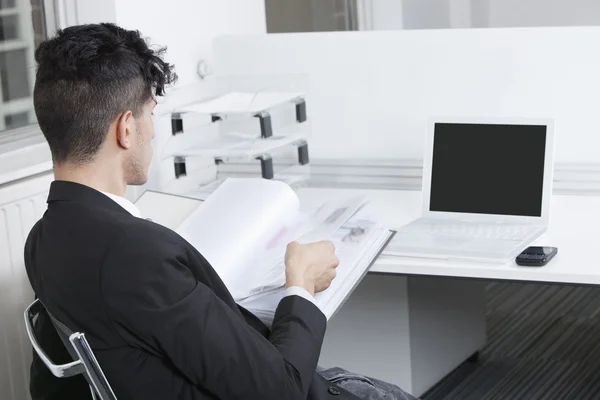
(243, 229)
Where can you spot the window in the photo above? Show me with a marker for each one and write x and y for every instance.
(311, 15)
(23, 25)
(446, 14)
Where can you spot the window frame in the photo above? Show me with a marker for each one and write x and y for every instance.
(52, 23)
(28, 141)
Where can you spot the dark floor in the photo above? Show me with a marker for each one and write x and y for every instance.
(543, 343)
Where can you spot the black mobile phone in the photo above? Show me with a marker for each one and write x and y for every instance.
(536, 256)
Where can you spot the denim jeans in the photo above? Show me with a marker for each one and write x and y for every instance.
(364, 387)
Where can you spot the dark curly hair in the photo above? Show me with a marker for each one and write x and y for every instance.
(86, 76)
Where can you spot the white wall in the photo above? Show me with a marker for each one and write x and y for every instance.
(371, 93)
(187, 27)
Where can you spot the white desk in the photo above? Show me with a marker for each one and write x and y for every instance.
(406, 327)
(574, 229)
(410, 321)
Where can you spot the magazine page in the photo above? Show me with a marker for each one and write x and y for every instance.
(311, 225)
(358, 240)
(322, 222)
(238, 224)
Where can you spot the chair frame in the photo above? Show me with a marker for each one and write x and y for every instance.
(85, 364)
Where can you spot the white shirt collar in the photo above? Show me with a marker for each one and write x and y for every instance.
(126, 204)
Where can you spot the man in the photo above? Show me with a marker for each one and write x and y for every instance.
(159, 319)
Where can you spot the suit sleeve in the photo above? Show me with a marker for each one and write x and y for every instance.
(158, 299)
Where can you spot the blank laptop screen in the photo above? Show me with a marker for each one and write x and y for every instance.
(488, 169)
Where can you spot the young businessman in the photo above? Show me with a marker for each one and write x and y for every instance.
(159, 319)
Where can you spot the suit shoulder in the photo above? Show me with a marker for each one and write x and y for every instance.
(149, 260)
(32, 237)
(34, 231)
(154, 237)
(143, 244)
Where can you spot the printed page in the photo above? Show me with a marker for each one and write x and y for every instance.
(238, 224)
(267, 274)
(324, 221)
(357, 242)
(310, 226)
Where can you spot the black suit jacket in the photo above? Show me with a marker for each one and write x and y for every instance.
(159, 319)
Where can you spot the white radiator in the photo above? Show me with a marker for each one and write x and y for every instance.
(21, 205)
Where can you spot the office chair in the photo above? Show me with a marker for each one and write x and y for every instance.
(85, 362)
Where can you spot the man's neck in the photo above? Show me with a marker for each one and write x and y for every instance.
(94, 176)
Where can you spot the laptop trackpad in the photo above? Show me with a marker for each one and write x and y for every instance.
(430, 241)
(439, 243)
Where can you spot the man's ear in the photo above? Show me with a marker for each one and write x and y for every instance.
(125, 129)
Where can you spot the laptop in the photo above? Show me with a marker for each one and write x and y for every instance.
(487, 186)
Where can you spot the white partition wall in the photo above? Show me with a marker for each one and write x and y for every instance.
(372, 92)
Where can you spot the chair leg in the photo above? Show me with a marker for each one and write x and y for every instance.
(93, 393)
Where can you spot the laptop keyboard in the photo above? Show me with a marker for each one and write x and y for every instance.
(471, 230)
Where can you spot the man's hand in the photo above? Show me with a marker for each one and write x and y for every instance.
(310, 266)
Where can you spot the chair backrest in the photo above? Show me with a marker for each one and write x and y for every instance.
(80, 349)
(85, 362)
